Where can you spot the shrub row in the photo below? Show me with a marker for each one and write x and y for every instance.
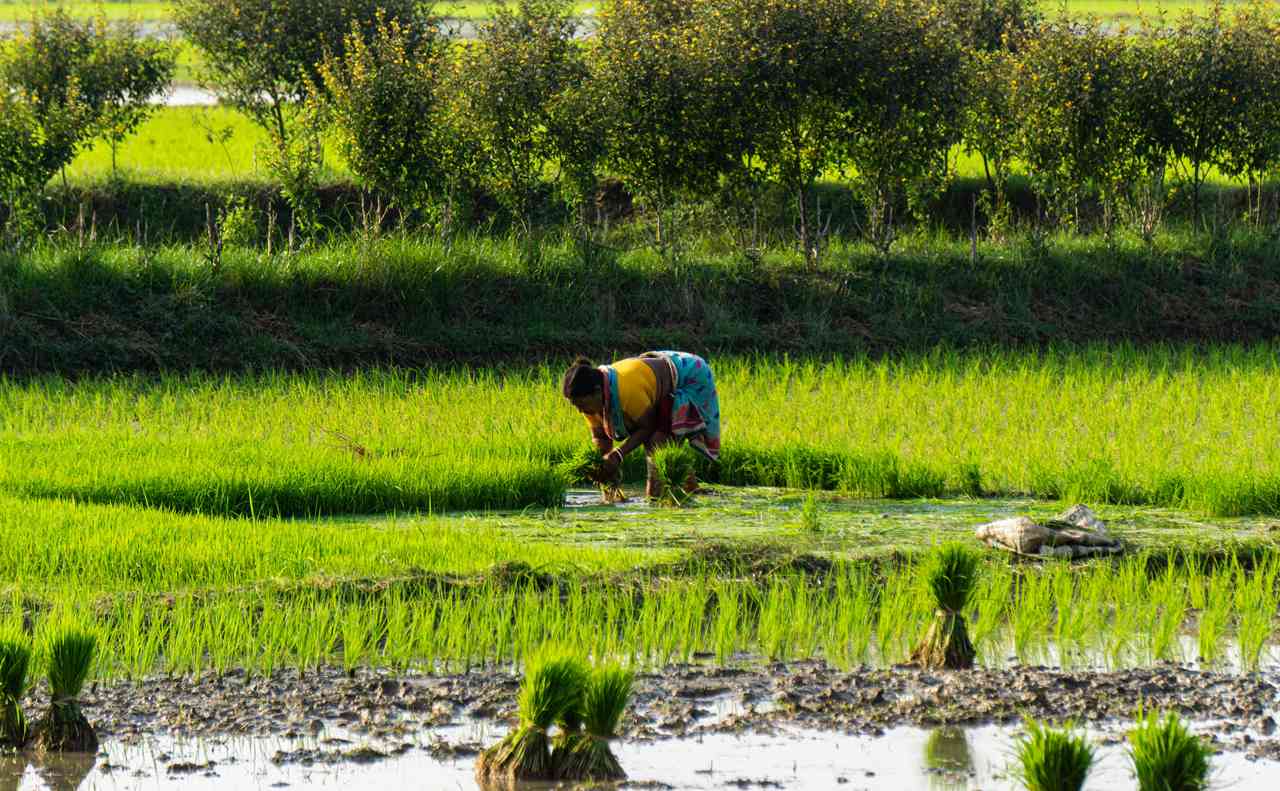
(684, 99)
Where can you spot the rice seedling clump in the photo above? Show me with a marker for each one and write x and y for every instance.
(553, 684)
(587, 754)
(950, 576)
(586, 464)
(15, 661)
(1167, 756)
(675, 465)
(1052, 759)
(65, 728)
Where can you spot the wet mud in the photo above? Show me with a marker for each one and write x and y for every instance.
(690, 700)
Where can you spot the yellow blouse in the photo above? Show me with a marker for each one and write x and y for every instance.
(637, 389)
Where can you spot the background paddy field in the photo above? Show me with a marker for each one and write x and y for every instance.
(1176, 426)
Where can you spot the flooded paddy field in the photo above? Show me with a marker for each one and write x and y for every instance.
(340, 581)
(800, 725)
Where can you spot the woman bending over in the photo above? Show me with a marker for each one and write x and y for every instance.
(650, 400)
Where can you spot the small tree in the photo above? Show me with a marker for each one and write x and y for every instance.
(1076, 131)
(382, 97)
(44, 68)
(908, 114)
(525, 61)
(1251, 148)
(654, 87)
(263, 57)
(788, 70)
(126, 71)
(989, 128)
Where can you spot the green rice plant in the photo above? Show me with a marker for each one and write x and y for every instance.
(675, 464)
(604, 701)
(554, 682)
(987, 613)
(1052, 759)
(15, 662)
(811, 514)
(1214, 615)
(1166, 756)
(585, 464)
(1031, 615)
(1170, 600)
(950, 574)
(65, 728)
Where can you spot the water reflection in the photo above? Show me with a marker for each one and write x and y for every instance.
(57, 771)
(64, 771)
(12, 767)
(948, 759)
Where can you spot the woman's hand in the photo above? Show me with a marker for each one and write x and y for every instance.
(612, 463)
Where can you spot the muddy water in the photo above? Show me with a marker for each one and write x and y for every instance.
(954, 759)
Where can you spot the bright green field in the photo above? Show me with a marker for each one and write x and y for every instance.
(192, 595)
(118, 496)
(1165, 427)
(186, 143)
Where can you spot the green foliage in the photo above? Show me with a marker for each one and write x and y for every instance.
(554, 683)
(674, 464)
(907, 116)
(1252, 143)
(1052, 759)
(951, 575)
(262, 55)
(654, 86)
(989, 128)
(382, 95)
(126, 73)
(66, 82)
(1167, 756)
(604, 701)
(520, 84)
(987, 26)
(788, 71)
(15, 662)
(1072, 86)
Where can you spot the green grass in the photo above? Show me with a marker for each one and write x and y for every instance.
(1167, 756)
(174, 144)
(1052, 759)
(1172, 427)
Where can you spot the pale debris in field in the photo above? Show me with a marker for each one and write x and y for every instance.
(1077, 533)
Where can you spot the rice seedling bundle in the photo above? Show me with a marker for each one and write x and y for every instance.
(65, 728)
(587, 754)
(675, 465)
(950, 576)
(553, 684)
(15, 661)
(586, 464)
(1052, 759)
(1167, 756)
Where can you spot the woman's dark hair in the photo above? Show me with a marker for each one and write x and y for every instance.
(582, 378)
